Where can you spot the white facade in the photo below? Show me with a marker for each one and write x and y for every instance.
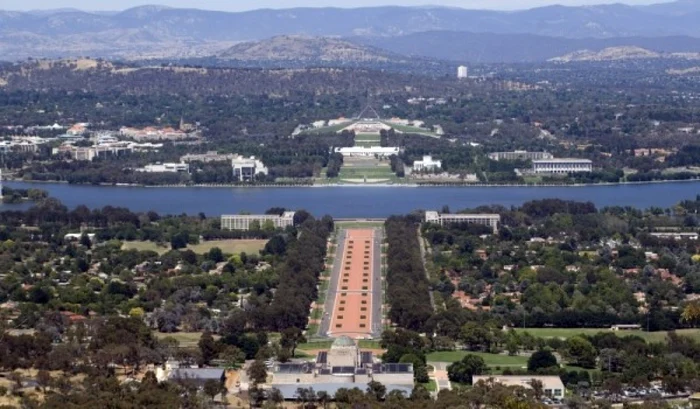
(368, 151)
(246, 169)
(552, 386)
(462, 72)
(166, 168)
(562, 165)
(491, 220)
(242, 222)
(520, 155)
(427, 164)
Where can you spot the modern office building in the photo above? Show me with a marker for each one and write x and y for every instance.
(243, 221)
(491, 220)
(562, 165)
(520, 155)
(551, 385)
(427, 164)
(247, 169)
(343, 366)
(462, 72)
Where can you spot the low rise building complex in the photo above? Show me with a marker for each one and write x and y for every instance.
(520, 155)
(166, 168)
(491, 220)
(552, 386)
(361, 151)
(343, 366)
(247, 169)
(562, 165)
(244, 221)
(427, 164)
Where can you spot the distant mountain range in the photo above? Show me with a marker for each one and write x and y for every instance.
(490, 47)
(437, 32)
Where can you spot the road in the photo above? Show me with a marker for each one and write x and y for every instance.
(440, 375)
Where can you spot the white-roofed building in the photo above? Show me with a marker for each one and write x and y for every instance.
(562, 165)
(247, 169)
(427, 164)
(368, 151)
(491, 220)
(551, 385)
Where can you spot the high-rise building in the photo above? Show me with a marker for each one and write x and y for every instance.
(462, 72)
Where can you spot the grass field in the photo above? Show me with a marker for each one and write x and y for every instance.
(327, 129)
(490, 359)
(572, 332)
(230, 246)
(227, 246)
(413, 130)
(186, 339)
(145, 246)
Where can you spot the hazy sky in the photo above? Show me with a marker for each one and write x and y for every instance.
(238, 5)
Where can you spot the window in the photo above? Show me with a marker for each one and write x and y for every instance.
(363, 317)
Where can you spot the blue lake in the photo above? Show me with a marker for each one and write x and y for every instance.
(351, 201)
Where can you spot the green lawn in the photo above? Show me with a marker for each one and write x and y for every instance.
(186, 339)
(571, 332)
(430, 386)
(145, 246)
(490, 359)
(327, 129)
(413, 130)
(227, 246)
(230, 246)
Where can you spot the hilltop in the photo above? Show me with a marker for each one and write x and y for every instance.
(620, 53)
(302, 48)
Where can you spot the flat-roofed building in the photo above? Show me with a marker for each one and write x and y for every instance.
(676, 235)
(368, 151)
(166, 168)
(551, 385)
(562, 165)
(244, 221)
(427, 164)
(343, 366)
(491, 220)
(247, 169)
(520, 155)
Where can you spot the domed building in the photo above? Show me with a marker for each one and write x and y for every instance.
(344, 365)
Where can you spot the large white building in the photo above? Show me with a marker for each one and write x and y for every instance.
(520, 155)
(462, 72)
(491, 220)
(166, 168)
(552, 386)
(243, 221)
(427, 164)
(246, 169)
(343, 366)
(368, 151)
(562, 165)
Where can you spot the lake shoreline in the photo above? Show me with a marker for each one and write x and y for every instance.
(359, 185)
